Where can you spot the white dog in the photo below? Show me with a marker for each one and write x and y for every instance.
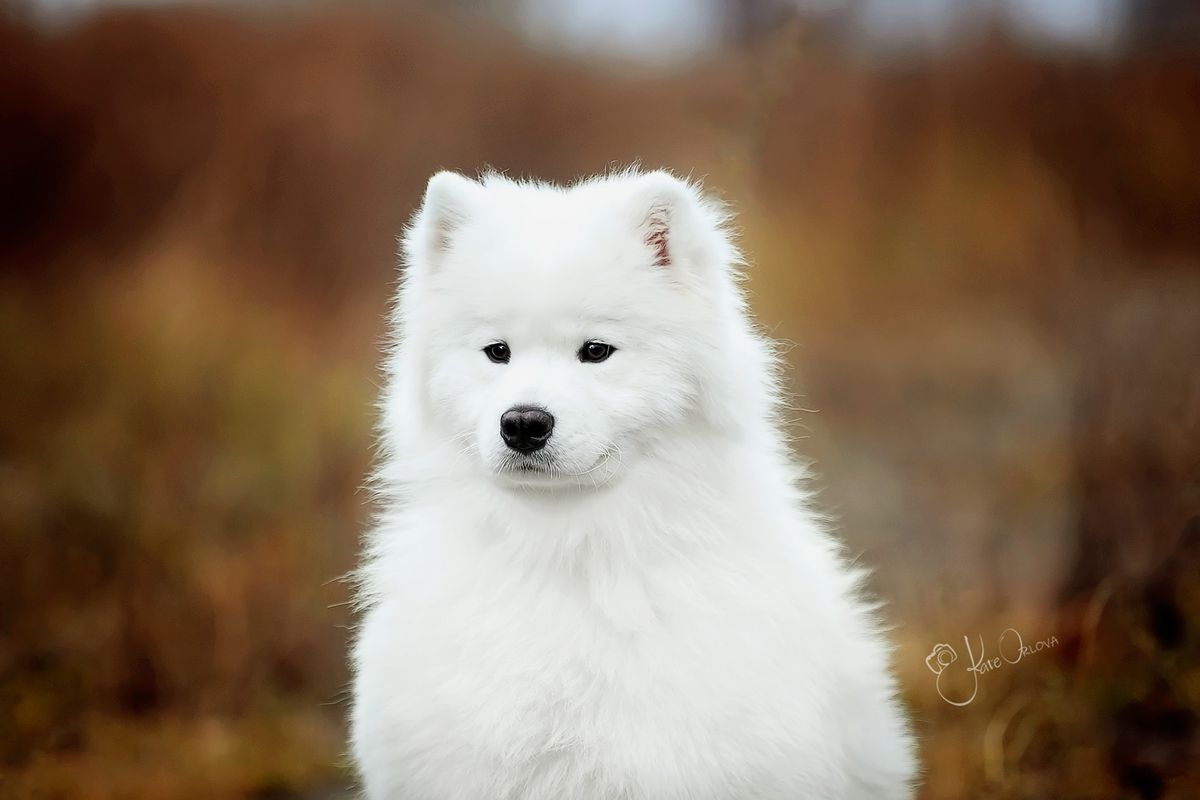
(594, 576)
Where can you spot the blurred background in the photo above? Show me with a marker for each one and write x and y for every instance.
(976, 222)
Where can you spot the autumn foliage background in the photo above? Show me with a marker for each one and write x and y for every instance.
(986, 254)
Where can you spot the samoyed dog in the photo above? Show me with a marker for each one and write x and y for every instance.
(594, 575)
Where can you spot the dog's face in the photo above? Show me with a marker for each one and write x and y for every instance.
(560, 331)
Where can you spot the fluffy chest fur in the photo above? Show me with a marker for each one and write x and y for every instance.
(699, 677)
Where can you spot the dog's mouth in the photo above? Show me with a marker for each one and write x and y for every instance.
(526, 466)
(544, 471)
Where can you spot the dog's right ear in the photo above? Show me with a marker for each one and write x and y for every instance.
(449, 201)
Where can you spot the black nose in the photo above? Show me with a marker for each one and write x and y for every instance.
(525, 428)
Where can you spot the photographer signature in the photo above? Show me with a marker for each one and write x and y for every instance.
(1012, 649)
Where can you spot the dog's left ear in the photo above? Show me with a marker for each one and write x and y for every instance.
(673, 222)
(450, 200)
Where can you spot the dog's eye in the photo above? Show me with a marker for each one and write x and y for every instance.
(595, 352)
(498, 352)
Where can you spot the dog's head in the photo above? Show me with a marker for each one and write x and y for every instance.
(557, 334)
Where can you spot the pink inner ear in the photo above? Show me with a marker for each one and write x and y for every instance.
(440, 239)
(657, 240)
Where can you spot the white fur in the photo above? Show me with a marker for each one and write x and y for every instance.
(656, 615)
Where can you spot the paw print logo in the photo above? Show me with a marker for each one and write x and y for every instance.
(943, 655)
